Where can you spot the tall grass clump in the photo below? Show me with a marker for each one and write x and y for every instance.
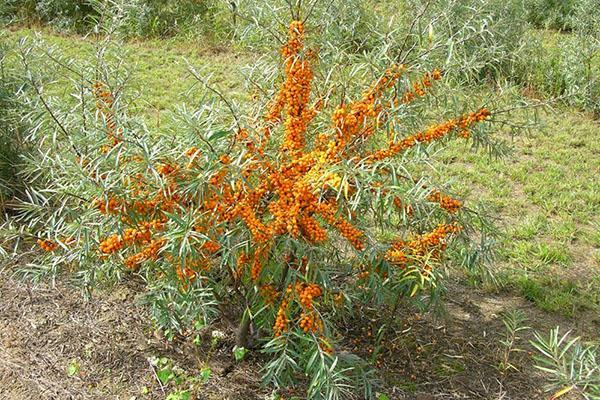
(138, 18)
(190, 19)
(75, 15)
(12, 130)
(567, 66)
(553, 14)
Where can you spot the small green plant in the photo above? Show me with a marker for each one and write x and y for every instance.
(570, 365)
(73, 368)
(205, 374)
(179, 395)
(166, 372)
(239, 352)
(180, 382)
(513, 322)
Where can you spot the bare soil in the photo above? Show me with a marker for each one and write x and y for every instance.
(46, 329)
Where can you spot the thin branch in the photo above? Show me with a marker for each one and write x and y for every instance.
(215, 91)
(222, 97)
(212, 149)
(66, 66)
(256, 22)
(45, 104)
(162, 388)
(410, 29)
(440, 44)
(291, 7)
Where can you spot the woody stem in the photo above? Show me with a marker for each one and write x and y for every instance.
(242, 338)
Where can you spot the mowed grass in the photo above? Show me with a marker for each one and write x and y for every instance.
(160, 78)
(546, 194)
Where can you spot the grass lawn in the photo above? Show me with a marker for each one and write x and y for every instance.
(547, 196)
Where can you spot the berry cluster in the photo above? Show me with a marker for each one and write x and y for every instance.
(111, 244)
(430, 243)
(446, 202)
(309, 322)
(268, 293)
(47, 244)
(430, 134)
(281, 319)
(104, 104)
(149, 252)
(400, 205)
(111, 206)
(419, 88)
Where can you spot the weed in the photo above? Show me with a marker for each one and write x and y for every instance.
(513, 322)
(570, 365)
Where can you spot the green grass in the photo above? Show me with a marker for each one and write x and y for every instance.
(159, 72)
(556, 295)
(547, 192)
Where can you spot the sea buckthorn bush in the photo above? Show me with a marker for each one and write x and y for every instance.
(352, 26)
(482, 41)
(553, 14)
(286, 215)
(62, 14)
(567, 66)
(11, 132)
(489, 38)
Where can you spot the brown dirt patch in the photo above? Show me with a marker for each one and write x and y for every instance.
(448, 355)
(44, 329)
